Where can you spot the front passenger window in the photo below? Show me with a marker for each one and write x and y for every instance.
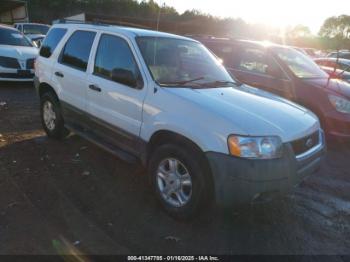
(114, 55)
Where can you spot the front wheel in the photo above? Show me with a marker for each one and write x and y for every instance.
(179, 180)
(51, 117)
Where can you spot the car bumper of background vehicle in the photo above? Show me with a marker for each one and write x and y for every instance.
(338, 125)
(240, 181)
(9, 74)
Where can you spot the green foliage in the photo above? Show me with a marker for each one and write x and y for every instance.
(334, 33)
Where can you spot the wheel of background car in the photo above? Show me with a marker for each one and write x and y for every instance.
(178, 180)
(51, 116)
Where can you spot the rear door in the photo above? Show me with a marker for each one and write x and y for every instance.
(115, 107)
(255, 66)
(70, 72)
(47, 58)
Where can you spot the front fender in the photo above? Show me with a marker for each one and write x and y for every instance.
(201, 133)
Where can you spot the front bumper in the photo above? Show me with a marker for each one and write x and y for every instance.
(9, 74)
(337, 125)
(241, 181)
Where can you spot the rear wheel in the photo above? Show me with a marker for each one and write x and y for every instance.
(179, 180)
(51, 117)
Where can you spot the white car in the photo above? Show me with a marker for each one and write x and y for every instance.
(166, 101)
(34, 31)
(17, 56)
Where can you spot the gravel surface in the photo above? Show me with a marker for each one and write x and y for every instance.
(71, 197)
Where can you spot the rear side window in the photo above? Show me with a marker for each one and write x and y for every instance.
(77, 50)
(114, 53)
(51, 41)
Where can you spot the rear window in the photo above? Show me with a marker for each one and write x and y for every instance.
(51, 41)
(35, 29)
(77, 50)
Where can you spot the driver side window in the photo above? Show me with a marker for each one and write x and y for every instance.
(114, 55)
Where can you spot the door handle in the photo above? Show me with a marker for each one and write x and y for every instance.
(59, 74)
(95, 88)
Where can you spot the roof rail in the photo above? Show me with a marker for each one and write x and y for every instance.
(201, 36)
(68, 21)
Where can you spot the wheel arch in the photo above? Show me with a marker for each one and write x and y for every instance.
(44, 88)
(162, 137)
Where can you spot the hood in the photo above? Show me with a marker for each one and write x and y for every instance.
(256, 114)
(18, 52)
(339, 86)
(262, 93)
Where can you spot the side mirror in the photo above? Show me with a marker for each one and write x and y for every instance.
(124, 76)
(35, 44)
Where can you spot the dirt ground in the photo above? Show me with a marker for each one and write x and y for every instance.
(70, 196)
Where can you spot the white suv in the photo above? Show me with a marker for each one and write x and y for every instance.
(167, 102)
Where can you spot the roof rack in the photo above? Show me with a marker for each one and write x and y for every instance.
(96, 22)
(201, 36)
(68, 21)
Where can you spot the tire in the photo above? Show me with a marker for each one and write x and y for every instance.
(193, 189)
(51, 117)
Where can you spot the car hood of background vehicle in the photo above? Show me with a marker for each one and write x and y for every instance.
(256, 115)
(19, 52)
(339, 86)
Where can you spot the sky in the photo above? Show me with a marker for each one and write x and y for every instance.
(278, 13)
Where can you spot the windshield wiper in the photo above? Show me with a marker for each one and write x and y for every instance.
(220, 83)
(181, 83)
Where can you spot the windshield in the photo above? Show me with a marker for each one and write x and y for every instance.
(301, 65)
(175, 62)
(35, 29)
(13, 37)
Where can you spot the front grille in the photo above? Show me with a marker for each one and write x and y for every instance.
(304, 144)
(16, 76)
(30, 63)
(9, 62)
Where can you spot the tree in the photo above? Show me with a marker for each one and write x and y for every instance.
(150, 14)
(336, 27)
(335, 32)
(299, 31)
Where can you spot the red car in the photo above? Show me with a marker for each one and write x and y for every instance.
(288, 73)
(337, 74)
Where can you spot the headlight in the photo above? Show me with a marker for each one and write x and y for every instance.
(341, 104)
(255, 147)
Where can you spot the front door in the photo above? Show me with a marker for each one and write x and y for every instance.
(254, 66)
(114, 104)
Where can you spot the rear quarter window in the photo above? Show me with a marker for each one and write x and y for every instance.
(51, 41)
